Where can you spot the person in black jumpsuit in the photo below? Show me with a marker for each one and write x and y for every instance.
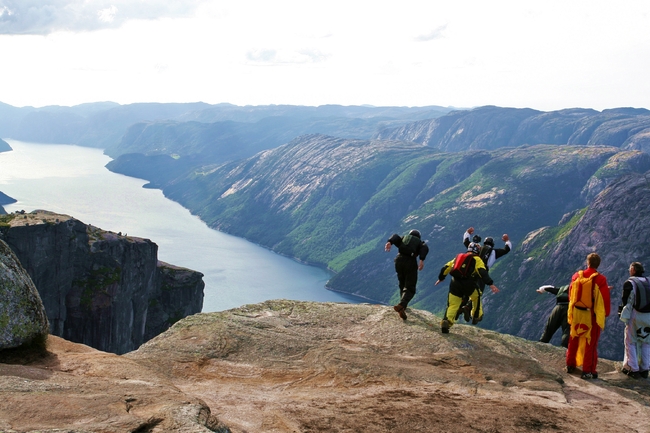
(407, 267)
(558, 317)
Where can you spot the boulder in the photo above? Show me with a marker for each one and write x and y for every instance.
(22, 315)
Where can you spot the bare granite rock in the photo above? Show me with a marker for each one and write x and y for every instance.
(75, 388)
(288, 366)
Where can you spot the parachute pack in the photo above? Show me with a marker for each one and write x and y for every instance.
(464, 265)
(641, 294)
(409, 246)
(486, 250)
(562, 295)
(581, 294)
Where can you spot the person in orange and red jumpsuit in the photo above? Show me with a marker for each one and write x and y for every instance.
(590, 360)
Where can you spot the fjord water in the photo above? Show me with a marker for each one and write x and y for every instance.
(72, 180)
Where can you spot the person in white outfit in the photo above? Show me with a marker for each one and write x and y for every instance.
(635, 312)
(489, 255)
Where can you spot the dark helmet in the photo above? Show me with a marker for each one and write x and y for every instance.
(474, 248)
(415, 233)
(489, 241)
(476, 239)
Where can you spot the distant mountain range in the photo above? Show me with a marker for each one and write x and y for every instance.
(328, 185)
(493, 127)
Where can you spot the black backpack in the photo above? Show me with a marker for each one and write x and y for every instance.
(486, 250)
(410, 246)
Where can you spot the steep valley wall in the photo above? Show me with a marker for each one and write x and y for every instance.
(100, 288)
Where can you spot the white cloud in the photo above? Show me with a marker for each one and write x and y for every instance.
(262, 56)
(545, 55)
(42, 17)
(285, 57)
(436, 33)
(107, 15)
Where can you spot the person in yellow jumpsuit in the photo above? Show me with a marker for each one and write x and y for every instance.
(464, 285)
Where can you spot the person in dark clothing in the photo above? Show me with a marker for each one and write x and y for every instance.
(410, 247)
(558, 317)
(461, 286)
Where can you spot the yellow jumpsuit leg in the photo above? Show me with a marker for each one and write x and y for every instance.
(474, 297)
(453, 304)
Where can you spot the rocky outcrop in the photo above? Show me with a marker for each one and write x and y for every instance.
(178, 293)
(76, 389)
(100, 288)
(287, 366)
(22, 317)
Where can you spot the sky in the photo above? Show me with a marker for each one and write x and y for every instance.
(547, 55)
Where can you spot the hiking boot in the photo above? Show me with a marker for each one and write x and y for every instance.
(587, 376)
(644, 374)
(594, 375)
(400, 311)
(444, 326)
(634, 375)
(476, 320)
(626, 371)
(570, 369)
(467, 312)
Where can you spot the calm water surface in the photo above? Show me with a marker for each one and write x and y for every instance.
(72, 180)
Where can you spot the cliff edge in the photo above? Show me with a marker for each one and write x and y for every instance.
(103, 289)
(287, 366)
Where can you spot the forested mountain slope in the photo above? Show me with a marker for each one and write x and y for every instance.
(334, 202)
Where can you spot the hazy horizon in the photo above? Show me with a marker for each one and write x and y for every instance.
(542, 55)
(303, 105)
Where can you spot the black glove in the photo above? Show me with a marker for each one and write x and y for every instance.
(620, 309)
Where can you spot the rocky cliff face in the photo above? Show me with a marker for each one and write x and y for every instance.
(100, 288)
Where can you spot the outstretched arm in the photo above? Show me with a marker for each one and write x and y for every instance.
(393, 240)
(466, 236)
(506, 249)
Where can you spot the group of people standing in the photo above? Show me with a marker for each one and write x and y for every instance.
(582, 326)
(581, 309)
